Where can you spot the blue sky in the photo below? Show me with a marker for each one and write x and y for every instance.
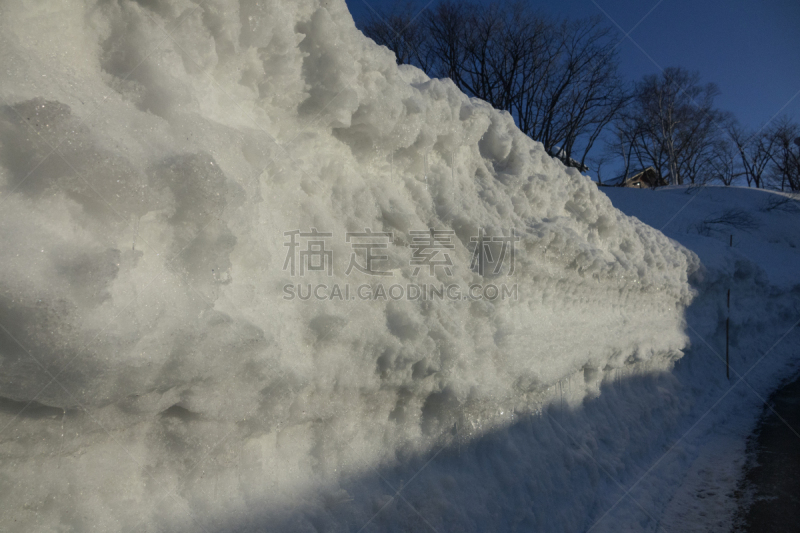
(749, 48)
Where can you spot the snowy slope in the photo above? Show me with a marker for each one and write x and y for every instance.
(705, 461)
(763, 224)
(153, 155)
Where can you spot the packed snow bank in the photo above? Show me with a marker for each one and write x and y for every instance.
(155, 160)
(655, 451)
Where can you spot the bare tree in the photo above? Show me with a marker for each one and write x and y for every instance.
(583, 91)
(755, 153)
(505, 54)
(725, 163)
(785, 155)
(598, 162)
(672, 125)
(559, 80)
(625, 143)
(446, 26)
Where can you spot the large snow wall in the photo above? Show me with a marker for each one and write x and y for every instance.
(153, 156)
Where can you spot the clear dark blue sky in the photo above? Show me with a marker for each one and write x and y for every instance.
(749, 48)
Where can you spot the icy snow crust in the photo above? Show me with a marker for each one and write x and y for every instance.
(152, 155)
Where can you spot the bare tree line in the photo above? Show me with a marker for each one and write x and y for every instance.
(560, 81)
(769, 157)
(672, 125)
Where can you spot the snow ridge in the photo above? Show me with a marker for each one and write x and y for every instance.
(153, 158)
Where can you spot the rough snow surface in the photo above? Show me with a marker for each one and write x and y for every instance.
(153, 155)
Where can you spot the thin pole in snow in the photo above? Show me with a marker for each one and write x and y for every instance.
(727, 333)
(727, 339)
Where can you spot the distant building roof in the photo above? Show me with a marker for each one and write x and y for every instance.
(647, 177)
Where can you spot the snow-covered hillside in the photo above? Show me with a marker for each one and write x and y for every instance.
(761, 268)
(158, 160)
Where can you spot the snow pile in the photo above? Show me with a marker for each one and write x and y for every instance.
(153, 158)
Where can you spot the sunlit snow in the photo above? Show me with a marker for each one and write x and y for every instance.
(155, 158)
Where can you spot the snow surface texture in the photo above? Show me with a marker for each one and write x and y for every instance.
(761, 268)
(152, 155)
